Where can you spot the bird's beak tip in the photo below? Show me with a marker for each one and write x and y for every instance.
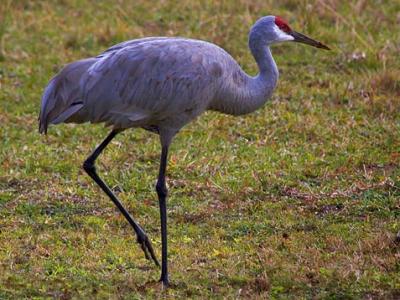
(322, 46)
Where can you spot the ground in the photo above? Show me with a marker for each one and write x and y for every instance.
(299, 200)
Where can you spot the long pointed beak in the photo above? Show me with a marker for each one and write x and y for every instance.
(301, 38)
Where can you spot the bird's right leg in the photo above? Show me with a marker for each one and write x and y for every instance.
(89, 167)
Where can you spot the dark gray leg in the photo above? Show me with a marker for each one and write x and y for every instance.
(162, 197)
(89, 167)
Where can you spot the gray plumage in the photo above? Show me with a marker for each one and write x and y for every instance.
(157, 82)
(161, 84)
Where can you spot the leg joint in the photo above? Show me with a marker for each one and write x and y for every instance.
(89, 166)
(161, 189)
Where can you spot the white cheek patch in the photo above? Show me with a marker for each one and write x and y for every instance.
(282, 36)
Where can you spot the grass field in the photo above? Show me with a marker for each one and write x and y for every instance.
(299, 200)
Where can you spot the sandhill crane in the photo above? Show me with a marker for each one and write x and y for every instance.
(161, 84)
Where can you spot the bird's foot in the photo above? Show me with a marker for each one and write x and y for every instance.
(147, 248)
(165, 281)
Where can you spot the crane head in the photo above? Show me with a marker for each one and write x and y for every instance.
(285, 33)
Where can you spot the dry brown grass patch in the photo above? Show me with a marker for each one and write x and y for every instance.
(387, 83)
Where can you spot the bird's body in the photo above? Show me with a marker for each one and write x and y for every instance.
(153, 83)
(161, 84)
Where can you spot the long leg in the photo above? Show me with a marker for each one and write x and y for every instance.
(89, 167)
(162, 198)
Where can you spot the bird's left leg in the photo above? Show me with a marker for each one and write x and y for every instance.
(89, 167)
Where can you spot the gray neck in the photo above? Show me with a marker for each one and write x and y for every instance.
(243, 94)
(262, 54)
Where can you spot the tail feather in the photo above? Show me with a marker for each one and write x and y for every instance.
(48, 102)
(62, 97)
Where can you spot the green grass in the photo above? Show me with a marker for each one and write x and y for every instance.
(299, 200)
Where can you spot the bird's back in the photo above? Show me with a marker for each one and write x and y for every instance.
(144, 82)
